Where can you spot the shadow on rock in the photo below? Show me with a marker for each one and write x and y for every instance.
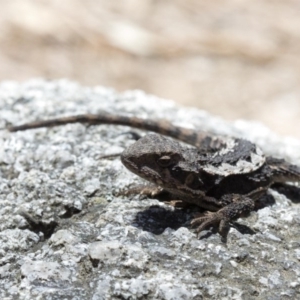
(290, 191)
(156, 219)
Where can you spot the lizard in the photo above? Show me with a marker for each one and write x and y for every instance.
(223, 175)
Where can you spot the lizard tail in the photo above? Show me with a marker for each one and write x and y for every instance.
(283, 171)
(164, 127)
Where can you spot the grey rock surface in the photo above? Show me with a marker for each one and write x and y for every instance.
(93, 245)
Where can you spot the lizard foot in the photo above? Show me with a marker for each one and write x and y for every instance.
(148, 191)
(178, 203)
(211, 219)
(240, 206)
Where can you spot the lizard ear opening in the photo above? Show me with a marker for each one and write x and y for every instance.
(193, 181)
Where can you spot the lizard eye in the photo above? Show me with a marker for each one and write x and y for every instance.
(165, 161)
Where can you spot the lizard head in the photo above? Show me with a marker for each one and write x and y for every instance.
(164, 162)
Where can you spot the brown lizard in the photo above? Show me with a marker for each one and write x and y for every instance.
(224, 175)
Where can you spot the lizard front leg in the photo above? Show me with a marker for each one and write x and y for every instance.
(240, 205)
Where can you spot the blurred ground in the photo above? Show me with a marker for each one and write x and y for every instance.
(234, 58)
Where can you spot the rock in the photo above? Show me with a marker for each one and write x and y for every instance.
(101, 246)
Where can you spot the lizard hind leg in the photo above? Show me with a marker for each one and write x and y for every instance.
(240, 206)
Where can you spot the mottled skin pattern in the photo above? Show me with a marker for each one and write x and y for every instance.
(225, 176)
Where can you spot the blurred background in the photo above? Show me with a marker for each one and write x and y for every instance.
(233, 58)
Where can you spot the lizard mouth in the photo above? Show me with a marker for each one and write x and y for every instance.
(150, 175)
(143, 172)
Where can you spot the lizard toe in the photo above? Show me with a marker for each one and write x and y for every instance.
(216, 218)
